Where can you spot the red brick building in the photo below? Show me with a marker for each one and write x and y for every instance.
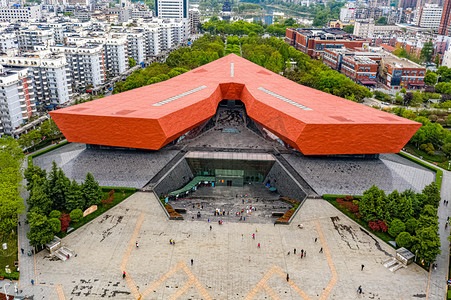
(397, 73)
(361, 67)
(315, 41)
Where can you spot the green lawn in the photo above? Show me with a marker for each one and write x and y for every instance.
(120, 194)
(9, 256)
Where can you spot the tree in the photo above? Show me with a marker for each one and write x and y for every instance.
(372, 204)
(426, 244)
(437, 60)
(11, 206)
(55, 224)
(348, 29)
(65, 221)
(34, 173)
(411, 225)
(74, 197)
(447, 149)
(404, 239)
(432, 194)
(427, 51)
(396, 227)
(92, 193)
(131, 62)
(382, 21)
(41, 231)
(39, 200)
(55, 214)
(430, 78)
(76, 215)
(57, 187)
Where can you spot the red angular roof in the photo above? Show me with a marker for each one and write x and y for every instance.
(314, 122)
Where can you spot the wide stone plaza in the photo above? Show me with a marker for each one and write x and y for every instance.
(227, 262)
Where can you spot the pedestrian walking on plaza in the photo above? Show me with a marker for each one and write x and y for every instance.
(19, 223)
(253, 236)
(302, 251)
(249, 259)
(258, 245)
(136, 244)
(288, 277)
(288, 253)
(123, 275)
(192, 261)
(363, 266)
(302, 255)
(359, 289)
(22, 250)
(316, 239)
(305, 253)
(294, 251)
(32, 282)
(210, 227)
(321, 250)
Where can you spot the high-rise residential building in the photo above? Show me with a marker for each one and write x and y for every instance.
(194, 19)
(86, 64)
(445, 22)
(447, 59)
(34, 36)
(7, 41)
(172, 9)
(15, 13)
(136, 46)
(115, 50)
(429, 16)
(49, 74)
(404, 4)
(17, 102)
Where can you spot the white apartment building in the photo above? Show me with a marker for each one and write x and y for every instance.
(141, 13)
(136, 46)
(172, 9)
(116, 59)
(7, 41)
(447, 59)
(429, 16)
(152, 41)
(50, 77)
(34, 36)
(58, 29)
(367, 29)
(20, 13)
(17, 102)
(86, 64)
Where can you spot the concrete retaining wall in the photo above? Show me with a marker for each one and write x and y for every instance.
(286, 185)
(177, 178)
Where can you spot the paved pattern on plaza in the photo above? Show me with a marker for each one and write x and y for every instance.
(227, 264)
(109, 167)
(353, 176)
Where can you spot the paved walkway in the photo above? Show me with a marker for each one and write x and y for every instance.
(227, 262)
(438, 278)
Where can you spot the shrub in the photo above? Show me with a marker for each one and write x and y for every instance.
(349, 198)
(411, 225)
(404, 239)
(396, 227)
(76, 215)
(65, 220)
(55, 214)
(378, 226)
(55, 224)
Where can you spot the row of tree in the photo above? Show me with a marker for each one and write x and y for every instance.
(11, 204)
(54, 201)
(46, 131)
(411, 218)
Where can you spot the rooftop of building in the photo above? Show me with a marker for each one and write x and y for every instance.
(400, 62)
(361, 59)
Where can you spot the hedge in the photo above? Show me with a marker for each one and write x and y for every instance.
(49, 149)
(12, 275)
(330, 197)
(117, 189)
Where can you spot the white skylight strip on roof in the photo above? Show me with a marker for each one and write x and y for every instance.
(232, 70)
(284, 99)
(179, 96)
